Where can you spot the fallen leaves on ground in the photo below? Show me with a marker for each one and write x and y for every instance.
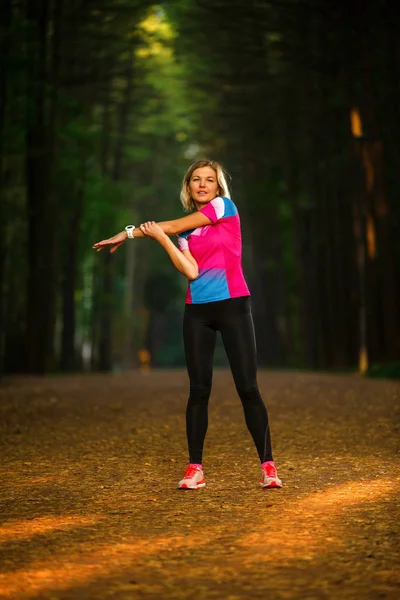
(90, 508)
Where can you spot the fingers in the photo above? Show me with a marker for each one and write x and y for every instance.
(147, 227)
(114, 248)
(99, 245)
(115, 241)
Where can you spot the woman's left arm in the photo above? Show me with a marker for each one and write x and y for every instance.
(192, 221)
(184, 264)
(196, 219)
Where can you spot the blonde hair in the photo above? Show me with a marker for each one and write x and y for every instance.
(223, 190)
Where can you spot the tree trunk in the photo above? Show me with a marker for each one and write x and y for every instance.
(68, 357)
(108, 276)
(5, 19)
(41, 209)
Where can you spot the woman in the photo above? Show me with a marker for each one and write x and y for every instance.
(217, 299)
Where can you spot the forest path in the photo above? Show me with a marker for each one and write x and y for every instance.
(90, 509)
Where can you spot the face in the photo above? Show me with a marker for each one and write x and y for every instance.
(203, 185)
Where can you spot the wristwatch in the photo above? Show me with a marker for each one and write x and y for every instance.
(129, 230)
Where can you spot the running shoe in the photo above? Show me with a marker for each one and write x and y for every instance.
(269, 477)
(192, 480)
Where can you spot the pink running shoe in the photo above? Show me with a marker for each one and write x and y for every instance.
(192, 480)
(269, 477)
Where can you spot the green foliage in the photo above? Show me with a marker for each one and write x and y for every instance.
(127, 94)
(384, 370)
(160, 290)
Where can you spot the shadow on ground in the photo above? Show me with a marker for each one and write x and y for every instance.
(90, 508)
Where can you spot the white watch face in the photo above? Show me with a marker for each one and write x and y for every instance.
(129, 230)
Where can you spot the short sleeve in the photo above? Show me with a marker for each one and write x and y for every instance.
(183, 244)
(218, 209)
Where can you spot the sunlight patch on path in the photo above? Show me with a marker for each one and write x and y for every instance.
(313, 523)
(23, 529)
(304, 528)
(83, 567)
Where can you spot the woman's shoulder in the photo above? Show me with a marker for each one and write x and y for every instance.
(226, 206)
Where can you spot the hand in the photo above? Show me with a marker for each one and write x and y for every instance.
(152, 230)
(115, 242)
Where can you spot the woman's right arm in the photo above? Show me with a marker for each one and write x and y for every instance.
(183, 261)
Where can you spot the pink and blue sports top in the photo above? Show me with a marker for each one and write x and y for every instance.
(217, 249)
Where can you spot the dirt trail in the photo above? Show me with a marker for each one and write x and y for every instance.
(90, 510)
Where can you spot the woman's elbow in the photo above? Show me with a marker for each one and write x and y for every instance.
(193, 274)
(169, 229)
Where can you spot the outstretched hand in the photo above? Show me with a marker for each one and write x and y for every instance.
(115, 242)
(149, 229)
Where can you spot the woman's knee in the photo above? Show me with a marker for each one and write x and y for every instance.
(199, 393)
(249, 394)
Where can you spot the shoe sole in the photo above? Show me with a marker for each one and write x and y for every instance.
(271, 485)
(186, 487)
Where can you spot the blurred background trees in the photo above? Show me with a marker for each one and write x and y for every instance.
(103, 106)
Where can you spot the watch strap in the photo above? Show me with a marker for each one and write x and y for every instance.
(129, 230)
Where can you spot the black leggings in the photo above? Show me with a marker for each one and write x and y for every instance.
(234, 320)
